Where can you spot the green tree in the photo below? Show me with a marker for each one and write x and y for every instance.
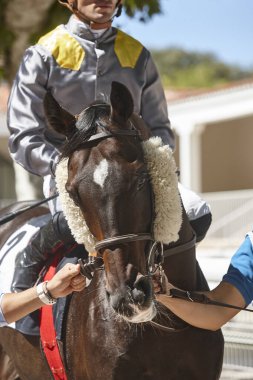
(185, 69)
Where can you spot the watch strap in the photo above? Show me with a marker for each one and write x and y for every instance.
(44, 294)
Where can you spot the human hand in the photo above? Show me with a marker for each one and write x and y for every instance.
(67, 280)
(160, 283)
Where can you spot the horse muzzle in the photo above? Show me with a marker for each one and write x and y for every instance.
(135, 304)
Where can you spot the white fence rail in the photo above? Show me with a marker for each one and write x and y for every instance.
(232, 214)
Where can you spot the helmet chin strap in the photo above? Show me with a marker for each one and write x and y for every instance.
(92, 24)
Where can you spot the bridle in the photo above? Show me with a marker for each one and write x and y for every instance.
(156, 248)
(156, 252)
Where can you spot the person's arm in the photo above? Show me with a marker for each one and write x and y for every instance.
(205, 316)
(236, 289)
(17, 305)
(154, 105)
(28, 142)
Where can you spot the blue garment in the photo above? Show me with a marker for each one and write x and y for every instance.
(240, 271)
(2, 319)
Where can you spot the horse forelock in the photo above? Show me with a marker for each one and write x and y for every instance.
(89, 122)
(168, 212)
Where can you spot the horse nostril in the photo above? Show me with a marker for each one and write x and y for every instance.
(143, 284)
(142, 291)
(138, 296)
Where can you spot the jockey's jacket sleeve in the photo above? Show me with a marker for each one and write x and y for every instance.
(240, 271)
(153, 98)
(28, 143)
(2, 319)
(78, 68)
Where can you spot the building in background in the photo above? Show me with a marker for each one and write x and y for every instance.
(215, 134)
(214, 154)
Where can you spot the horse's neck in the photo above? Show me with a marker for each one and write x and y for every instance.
(90, 324)
(180, 268)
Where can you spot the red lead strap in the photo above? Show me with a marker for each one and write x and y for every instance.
(48, 334)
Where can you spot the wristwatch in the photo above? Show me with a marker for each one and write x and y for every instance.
(44, 294)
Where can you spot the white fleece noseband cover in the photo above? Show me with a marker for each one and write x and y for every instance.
(168, 212)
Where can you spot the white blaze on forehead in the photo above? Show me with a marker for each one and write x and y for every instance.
(101, 172)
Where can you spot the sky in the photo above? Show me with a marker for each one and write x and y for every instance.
(222, 27)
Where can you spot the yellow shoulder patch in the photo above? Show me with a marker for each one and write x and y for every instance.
(127, 49)
(67, 52)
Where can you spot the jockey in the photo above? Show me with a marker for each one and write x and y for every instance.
(77, 62)
(236, 288)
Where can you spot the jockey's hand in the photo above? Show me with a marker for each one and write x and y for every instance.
(66, 281)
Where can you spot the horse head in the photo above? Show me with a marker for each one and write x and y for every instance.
(108, 180)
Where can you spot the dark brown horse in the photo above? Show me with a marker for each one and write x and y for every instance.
(115, 329)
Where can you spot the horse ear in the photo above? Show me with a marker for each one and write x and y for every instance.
(122, 105)
(58, 118)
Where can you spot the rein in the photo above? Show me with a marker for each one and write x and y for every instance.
(12, 215)
(202, 298)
